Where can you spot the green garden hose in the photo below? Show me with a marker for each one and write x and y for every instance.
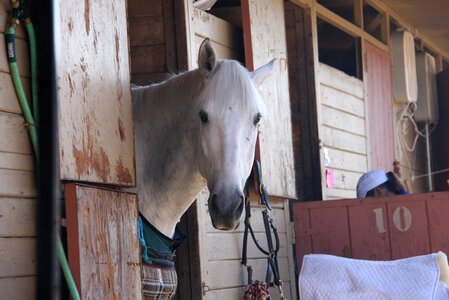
(33, 61)
(32, 122)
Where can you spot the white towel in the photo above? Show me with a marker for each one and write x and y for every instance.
(325, 277)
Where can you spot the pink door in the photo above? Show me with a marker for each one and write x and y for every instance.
(379, 96)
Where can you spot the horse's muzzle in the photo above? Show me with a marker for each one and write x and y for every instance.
(226, 216)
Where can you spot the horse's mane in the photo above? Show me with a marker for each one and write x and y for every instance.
(229, 82)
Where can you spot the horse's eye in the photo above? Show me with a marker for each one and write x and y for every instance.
(203, 116)
(257, 118)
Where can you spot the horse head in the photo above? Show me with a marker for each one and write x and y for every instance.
(229, 113)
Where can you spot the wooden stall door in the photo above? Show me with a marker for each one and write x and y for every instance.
(378, 94)
(264, 39)
(440, 140)
(95, 111)
(104, 253)
(375, 229)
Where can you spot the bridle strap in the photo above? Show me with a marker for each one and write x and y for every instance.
(272, 262)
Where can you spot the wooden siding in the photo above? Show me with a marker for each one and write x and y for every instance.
(154, 42)
(342, 131)
(95, 113)
(226, 38)
(104, 252)
(224, 276)
(382, 229)
(18, 265)
(265, 39)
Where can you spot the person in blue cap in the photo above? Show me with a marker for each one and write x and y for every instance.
(377, 183)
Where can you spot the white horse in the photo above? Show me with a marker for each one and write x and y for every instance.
(197, 128)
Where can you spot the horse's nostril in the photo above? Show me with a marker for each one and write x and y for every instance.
(213, 203)
(241, 205)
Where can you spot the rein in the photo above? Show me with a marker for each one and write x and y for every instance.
(270, 229)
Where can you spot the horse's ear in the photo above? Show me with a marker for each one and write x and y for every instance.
(259, 75)
(206, 57)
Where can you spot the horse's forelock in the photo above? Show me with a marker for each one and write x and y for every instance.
(231, 82)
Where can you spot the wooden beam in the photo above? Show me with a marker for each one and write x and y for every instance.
(304, 3)
(375, 22)
(358, 13)
(347, 26)
(385, 29)
(380, 6)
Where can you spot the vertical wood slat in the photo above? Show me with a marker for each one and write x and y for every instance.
(95, 109)
(104, 252)
(381, 229)
(264, 38)
(379, 97)
(302, 102)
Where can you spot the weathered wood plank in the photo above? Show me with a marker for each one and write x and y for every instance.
(346, 180)
(8, 97)
(264, 30)
(256, 221)
(140, 8)
(219, 31)
(342, 101)
(340, 81)
(95, 107)
(14, 161)
(343, 140)
(147, 58)
(336, 194)
(18, 288)
(228, 246)
(103, 228)
(18, 257)
(22, 54)
(347, 161)
(231, 273)
(17, 217)
(343, 121)
(17, 183)
(221, 51)
(14, 136)
(147, 30)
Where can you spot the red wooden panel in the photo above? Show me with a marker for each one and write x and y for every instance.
(408, 228)
(330, 231)
(369, 231)
(303, 236)
(438, 209)
(104, 253)
(376, 228)
(378, 94)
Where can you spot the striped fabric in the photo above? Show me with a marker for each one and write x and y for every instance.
(157, 283)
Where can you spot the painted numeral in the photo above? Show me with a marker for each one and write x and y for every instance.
(402, 219)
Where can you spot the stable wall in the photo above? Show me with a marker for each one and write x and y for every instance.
(342, 131)
(18, 266)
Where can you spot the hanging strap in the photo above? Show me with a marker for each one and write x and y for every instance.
(271, 253)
